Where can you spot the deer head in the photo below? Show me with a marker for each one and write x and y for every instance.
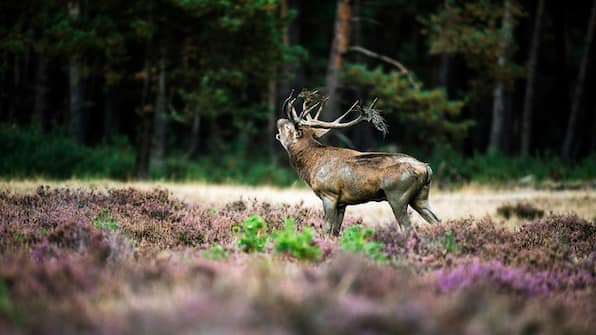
(305, 126)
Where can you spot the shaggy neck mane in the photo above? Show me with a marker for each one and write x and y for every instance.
(303, 157)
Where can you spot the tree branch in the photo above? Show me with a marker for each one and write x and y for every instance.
(385, 59)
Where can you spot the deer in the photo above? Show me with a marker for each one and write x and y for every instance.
(340, 176)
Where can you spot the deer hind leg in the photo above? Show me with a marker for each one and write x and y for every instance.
(399, 199)
(422, 206)
(331, 214)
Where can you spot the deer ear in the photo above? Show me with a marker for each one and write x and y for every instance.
(320, 132)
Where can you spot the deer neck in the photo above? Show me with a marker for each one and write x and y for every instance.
(304, 155)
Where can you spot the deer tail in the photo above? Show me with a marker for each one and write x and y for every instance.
(429, 174)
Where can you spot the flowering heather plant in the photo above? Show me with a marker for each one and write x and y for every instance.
(61, 272)
(514, 279)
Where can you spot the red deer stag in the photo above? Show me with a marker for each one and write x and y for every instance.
(342, 177)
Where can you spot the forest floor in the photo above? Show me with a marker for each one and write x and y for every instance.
(125, 258)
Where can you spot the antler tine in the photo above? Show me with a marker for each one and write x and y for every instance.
(306, 111)
(321, 108)
(285, 103)
(303, 109)
(356, 103)
(372, 104)
(293, 116)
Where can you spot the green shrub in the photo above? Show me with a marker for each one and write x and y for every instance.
(105, 220)
(357, 240)
(230, 169)
(6, 307)
(32, 153)
(449, 244)
(254, 237)
(451, 167)
(299, 245)
(215, 252)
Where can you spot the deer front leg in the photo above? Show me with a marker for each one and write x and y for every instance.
(341, 209)
(331, 214)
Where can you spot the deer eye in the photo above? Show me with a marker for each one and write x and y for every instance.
(298, 133)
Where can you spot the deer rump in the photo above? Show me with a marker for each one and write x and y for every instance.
(355, 178)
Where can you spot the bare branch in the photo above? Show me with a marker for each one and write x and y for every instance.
(385, 59)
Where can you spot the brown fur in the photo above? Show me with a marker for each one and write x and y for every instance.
(342, 177)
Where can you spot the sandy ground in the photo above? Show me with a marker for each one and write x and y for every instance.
(465, 202)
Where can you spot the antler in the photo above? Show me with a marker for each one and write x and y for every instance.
(289, 103)
(312, 100)
(364, 114)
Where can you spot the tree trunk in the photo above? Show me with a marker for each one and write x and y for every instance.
(14, 98)
(195, 137)
(593, 144)
(363, 133)
(567, 149)
(108, 114)
(144, 112)
(444, 71)
(160, 113)
(341, 41)
(77, 119)
(498, 114)
(271, 122)
(526, 124)
(40, 90)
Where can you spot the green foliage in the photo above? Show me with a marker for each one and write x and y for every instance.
(474, 29)
(430, 112)
(357, 240)
(230, 169)
(299, 245)
(216, 252)
(105, 220)
(6, 307)
(30, 153)
(254, 237)
(448, 243)
(451, 167)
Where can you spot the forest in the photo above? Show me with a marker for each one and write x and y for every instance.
(191, 89)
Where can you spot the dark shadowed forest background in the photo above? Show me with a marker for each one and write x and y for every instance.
(489, 91)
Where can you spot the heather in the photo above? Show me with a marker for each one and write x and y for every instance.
(124, 261)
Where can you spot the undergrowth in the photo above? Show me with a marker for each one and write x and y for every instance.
(359, 240)
(29, 153)
(299, 245)
(64, 272)
(254, 234)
